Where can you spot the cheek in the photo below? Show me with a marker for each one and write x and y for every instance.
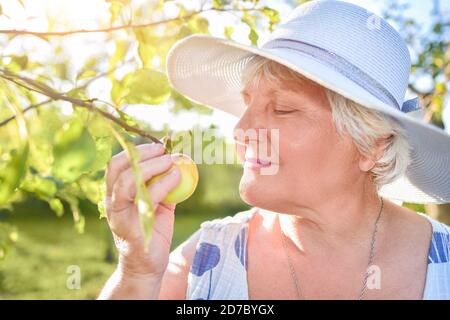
(311, 148)
(322, 159)
(300, 144)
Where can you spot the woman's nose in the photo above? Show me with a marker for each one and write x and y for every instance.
(253, 119)
(245, 123)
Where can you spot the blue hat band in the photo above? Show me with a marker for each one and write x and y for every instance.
(345, 68)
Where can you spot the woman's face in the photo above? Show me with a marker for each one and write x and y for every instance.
(310, 160)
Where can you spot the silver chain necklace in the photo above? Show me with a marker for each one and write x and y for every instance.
(366, 276)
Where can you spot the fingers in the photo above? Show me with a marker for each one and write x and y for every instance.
(120, 162)
(159, 189)
(124, 189)
(166, 207)
(164, 221)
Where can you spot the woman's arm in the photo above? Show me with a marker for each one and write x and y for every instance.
(175, 280)
(124, 285)
(127, 283)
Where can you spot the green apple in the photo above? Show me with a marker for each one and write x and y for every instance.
(189, 179)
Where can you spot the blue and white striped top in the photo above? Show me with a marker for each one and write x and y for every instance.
(219, 268)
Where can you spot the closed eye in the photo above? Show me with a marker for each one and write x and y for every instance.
(284, 111)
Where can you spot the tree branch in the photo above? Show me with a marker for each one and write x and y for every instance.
(42, 88)
(30, 107)
(37, 105)
(112, 29)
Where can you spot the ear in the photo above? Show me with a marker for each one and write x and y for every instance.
(367, 163)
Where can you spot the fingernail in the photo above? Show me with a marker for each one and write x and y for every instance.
(174, 171)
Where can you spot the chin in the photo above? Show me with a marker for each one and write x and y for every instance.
(254, 192)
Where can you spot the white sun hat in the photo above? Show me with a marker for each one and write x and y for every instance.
(342, 47)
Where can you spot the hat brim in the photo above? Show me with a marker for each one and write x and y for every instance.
(207, 70)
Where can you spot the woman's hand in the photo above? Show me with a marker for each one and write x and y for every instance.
(122, 212)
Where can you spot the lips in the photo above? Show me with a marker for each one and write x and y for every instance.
(254, 162)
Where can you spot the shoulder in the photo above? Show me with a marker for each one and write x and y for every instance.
(410, 228)
(440, 237)
(182, 258)
(440, 242)
(438, 273)
(239, 218)
(215, 236)
(438, 227)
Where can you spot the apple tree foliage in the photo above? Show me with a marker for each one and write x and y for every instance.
(57, 135)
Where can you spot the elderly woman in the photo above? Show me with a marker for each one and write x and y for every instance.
(331, 80)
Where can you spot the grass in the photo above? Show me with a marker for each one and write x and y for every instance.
(36, 267)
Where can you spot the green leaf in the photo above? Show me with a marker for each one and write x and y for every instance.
(18, 63)
(228, 31)
(253, 34)
(218, 4)
(146, 53)
(13, 166)
(437, 28)
(199, 24)
(181, 103)
(127, 118)
(182, 9)
(78, 93)
(146, 86)
(149, 43)
(167, 141)
(118, 91)
(57, 206)
(90, 188)
(273, 15)
(74, 151)
(114, 10)
(62, 70)
(89, 73)
(21, 3)
(99, 130)
(119, 53)
(80, 224)
(103, 152)
(78, 218)
(183, 32)
(43, 187)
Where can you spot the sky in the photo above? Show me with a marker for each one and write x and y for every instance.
(76, 14)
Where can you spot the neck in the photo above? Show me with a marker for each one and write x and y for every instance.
(338, 224)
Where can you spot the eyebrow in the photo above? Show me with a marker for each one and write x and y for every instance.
(271, 91)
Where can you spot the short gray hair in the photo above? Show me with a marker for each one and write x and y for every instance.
(365, 126)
